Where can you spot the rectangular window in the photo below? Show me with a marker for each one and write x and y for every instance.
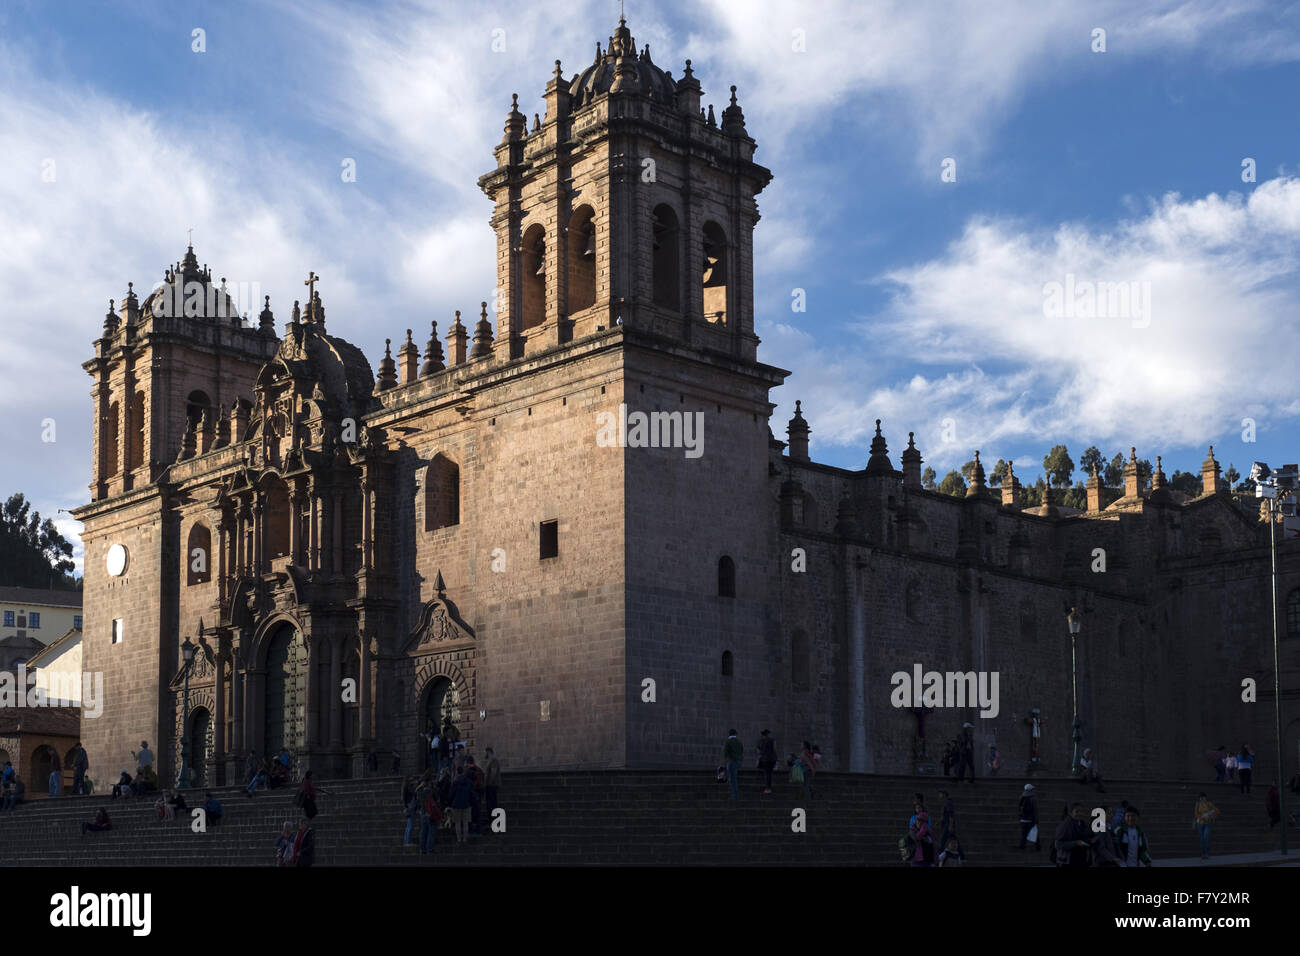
(9, 618)
(76, 621)
(117, 630)
(550, 539)
(34, 620)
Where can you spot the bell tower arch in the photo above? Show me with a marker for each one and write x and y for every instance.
(627, 203)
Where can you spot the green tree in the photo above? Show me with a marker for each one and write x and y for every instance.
(1232, 476)
(1113, 475)
(999, 472)
(1091, 457)
(927, 478)
(967, 470)
(1144, 472)
(1076, 497)
(1033, 494)
(32, 551)
(1059, 465)
(1186, 482)
(952, 484)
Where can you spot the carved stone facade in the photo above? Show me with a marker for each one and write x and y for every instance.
(361, 555)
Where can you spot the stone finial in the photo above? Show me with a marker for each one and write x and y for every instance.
(1011, 496)
(1132, 475)
(110, 321)
(1211, 483)
(296, 317)
(733, 118)
(798, 431)
(1094, 489)
(977, 485)
(912, 463)
(439, 585)
(878, 463)
(266, 320)
(1158, 476)
(456, 339)
(238, 421)
(482, 336)
(712, 120)
(516, 123)
(387, 369)
(409, 359)
(432, 353)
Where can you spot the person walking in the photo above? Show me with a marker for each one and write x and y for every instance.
(947, 819)
(1073, 842)
(56, 774)
(922, 836)
(966, 752)
(492, 782)
(766, 758)
(733, 752)
(809, 760)
(1273, 805)
(1230, 767)
(1204, 815)
(1245, 766)
(462, 798)
(80, 764)
(284, 845)
(1029, 818)
(307, 793)
(1132, 841)
(410, 807)
(1220, 765)
(430, 820)
(304, 845)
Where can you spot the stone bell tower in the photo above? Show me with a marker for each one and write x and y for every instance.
(628, 203)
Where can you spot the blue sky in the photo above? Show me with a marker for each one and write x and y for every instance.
(925, 298)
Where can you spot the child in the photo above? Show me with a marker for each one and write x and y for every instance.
(952, 855)
(993, 761)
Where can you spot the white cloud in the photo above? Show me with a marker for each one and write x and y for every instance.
(1225, 293)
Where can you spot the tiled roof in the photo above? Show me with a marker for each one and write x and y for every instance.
(40, 597)
(55, 721)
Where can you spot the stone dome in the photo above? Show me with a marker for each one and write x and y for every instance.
(597, 79)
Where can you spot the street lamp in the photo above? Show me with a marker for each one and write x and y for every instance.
(1074, 621)
(187, 654)
(1267, 485)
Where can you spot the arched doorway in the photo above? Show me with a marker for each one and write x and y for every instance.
(38, 778)
(286, 691)
(200, 746)
(441, 701)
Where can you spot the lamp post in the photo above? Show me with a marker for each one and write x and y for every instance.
(187, 654)
(1073, 620)
(1267, 485)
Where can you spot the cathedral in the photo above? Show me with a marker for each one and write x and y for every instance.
(573, 532)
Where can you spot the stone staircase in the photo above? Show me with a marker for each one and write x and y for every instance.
(625, 818)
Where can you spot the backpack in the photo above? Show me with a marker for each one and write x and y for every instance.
(432, 810)
(478, 779)
(796, 772)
